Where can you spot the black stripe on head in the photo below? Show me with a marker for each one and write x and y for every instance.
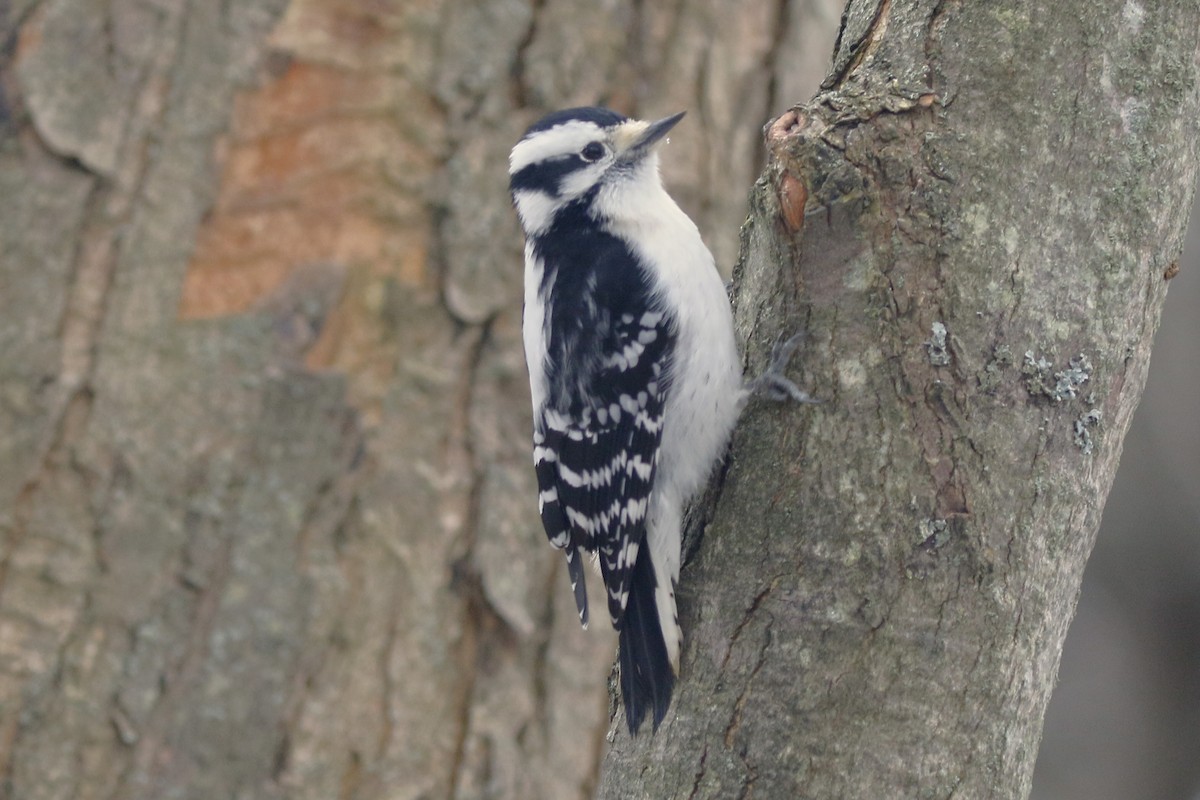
(545, 176)
(600, 116)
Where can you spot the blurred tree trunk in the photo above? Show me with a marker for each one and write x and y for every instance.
(975, 222)
(267, 520)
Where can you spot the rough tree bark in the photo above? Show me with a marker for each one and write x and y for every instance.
(974, 222)
(266, 508)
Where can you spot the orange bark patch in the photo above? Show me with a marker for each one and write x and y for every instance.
(326, 169)
(792, 198)
(29, 36)
(309, 175)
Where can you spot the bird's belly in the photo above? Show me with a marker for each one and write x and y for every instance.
(701, 411)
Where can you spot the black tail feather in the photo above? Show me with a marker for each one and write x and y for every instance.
(578, 583)
(647, 679)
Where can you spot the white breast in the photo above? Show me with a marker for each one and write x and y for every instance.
(706, 392)
(707, 379)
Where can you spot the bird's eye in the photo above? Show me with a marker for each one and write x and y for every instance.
(594, 151)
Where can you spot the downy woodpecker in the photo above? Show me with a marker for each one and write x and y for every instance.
(633, 369)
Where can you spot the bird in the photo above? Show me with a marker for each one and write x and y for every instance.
(635, 379)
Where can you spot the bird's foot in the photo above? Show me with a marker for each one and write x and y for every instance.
(772, 383)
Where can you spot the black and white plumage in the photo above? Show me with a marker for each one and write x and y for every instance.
(633, 367)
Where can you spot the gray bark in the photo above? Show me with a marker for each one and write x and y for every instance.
(1122, 721)
(974, 222)
(267, 519)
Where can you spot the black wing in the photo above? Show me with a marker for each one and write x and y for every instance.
(596, 442)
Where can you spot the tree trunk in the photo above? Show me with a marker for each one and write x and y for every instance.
(974, 222)
(267, 518)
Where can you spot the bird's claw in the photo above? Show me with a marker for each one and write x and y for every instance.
(772, 383)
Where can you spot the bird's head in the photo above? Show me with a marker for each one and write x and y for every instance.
(570, 155)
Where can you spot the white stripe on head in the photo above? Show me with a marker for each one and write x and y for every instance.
(567, 138)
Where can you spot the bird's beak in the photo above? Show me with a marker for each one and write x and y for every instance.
(643, 136)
